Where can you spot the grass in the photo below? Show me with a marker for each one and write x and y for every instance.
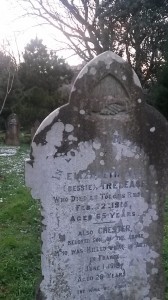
(165, 247)
(20, 232)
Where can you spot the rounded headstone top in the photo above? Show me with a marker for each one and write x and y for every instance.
(12, 119)
(111, 73)
(108, 58)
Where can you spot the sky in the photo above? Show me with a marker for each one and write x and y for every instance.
(17, 31)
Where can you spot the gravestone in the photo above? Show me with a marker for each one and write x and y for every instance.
(99, 166)
(34, 128)
(12, 131)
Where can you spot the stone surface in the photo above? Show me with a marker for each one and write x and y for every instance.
(12, 131)
(99, 167)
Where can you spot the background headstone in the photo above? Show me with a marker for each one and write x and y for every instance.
(34, 128)
(99, 166)
(12, 131)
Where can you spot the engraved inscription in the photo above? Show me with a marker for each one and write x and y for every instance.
(109, 215)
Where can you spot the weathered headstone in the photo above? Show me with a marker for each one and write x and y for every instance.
(34, 128)
(99, 166)
(12, 131)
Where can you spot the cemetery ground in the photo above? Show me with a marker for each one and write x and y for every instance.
(20, 229)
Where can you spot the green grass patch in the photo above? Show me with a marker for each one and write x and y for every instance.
(165, 247)
(19, 231)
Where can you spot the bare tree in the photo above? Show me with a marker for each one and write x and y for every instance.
(8, 88)
(76, 21)
(135, 29)
(9, 68)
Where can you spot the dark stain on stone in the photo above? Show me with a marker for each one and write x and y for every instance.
(30, 162)
(102, 297)
(62, 237)
(61, 285)
(40, 138)
(40, 295)
(72, 153)
(31, 157)
(68, 159)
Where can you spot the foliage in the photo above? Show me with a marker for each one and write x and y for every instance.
(35, 91)
(8, 70)
(43, 69)
(165, 247)
(20, 231)
(136, 29)
(41, 74)
(139, 32)
(159, 92)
